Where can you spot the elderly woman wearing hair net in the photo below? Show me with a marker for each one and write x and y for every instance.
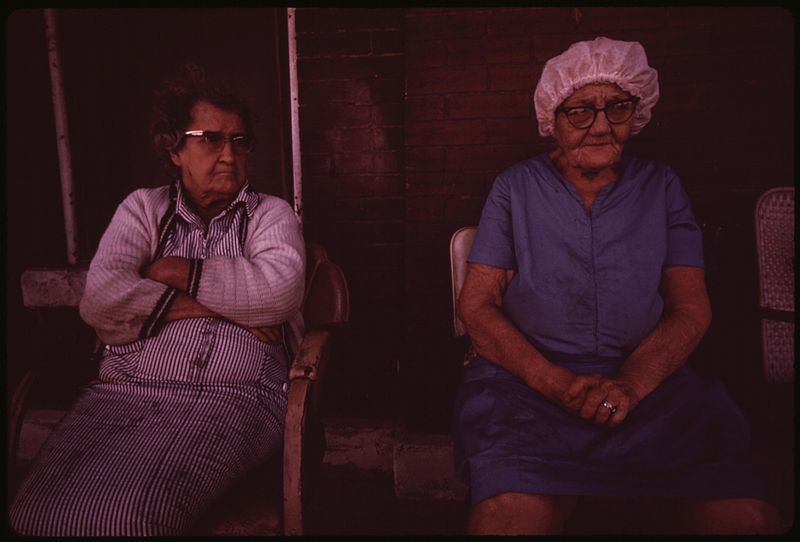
(584, 297)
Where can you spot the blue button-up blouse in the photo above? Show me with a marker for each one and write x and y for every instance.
(586, 281)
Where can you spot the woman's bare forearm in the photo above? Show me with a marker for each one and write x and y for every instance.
(186, 307)
(498, 340)
(686, 318)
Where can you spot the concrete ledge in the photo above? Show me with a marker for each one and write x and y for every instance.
(423, 468)
(36, 427)
(365, 444)
(421, 463)
(53, 287)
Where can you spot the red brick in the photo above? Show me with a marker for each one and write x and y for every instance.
(387, 41)
(425, 208)
(352, 91)
(674, 125)
(321, 19)
(679, 69)
(379, 256)
(366, 185)
(315, 164)
(767, 39)
(487, 106)
(426, 158)
(727, 16)
(605, 20)
(467, 183)
(422, 235)
(344, 164)
(513, 77)
(546, 46)
(386, 208)
(488, 51)
(387, 114)
(463, 210)
(388, 139)
(669, 42)
(490, 157)
(386, 287)
(388, 162)
(445, 80)
(338, 140)
(681, 97)
(372, 231)
(386, 90)
(313, 68)
(460, 23)
(373, 162)
(366, 67)
(424, 54)
(517, 130)
(448, 132)
(530, 21)
(324, 115)
(334, 44)
(426, 107)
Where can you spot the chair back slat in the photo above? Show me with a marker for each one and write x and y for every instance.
(327, 298)
(460, 245)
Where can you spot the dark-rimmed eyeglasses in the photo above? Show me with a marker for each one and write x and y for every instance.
(583, 116)
(215, 141)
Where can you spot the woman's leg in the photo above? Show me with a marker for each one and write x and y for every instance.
(520, 513)
(729, 516)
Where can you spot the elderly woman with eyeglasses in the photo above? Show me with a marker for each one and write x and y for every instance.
(195, 289)
(584, 297)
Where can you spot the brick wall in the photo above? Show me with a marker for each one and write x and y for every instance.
(408, 115)
(350, 72)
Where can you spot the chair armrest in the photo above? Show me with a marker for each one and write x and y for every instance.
(304, 375)
(311, 356)
(293, 456)
(16, 414)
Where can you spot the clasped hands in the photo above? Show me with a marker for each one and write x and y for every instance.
(174, 271)
(602, 400)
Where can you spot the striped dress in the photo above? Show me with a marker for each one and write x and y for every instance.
(181, 409)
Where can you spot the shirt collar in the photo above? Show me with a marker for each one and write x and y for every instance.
(246, 198)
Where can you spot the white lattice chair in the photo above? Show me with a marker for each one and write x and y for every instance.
(774, 219)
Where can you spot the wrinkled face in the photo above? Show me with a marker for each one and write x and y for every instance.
(600, 145)
(211, 177)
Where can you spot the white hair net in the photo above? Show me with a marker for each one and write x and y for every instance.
(601, 60)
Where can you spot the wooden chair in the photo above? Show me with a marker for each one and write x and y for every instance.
(270, 502)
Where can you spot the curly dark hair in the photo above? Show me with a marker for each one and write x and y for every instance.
(173, 107)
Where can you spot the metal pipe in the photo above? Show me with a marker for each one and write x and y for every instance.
(280, 77)
(297, 170)
(62, 136)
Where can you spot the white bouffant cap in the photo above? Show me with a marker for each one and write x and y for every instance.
(601, 60)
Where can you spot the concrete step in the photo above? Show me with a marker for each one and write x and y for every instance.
(421, 464)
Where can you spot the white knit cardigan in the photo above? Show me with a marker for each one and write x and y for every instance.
(263, 287)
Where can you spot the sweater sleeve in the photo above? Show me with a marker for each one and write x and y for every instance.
(118, 302)
(265, 285)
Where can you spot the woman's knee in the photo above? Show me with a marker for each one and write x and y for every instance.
(733, 516)
(520, 513)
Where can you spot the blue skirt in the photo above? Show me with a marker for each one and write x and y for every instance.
(687, 438)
